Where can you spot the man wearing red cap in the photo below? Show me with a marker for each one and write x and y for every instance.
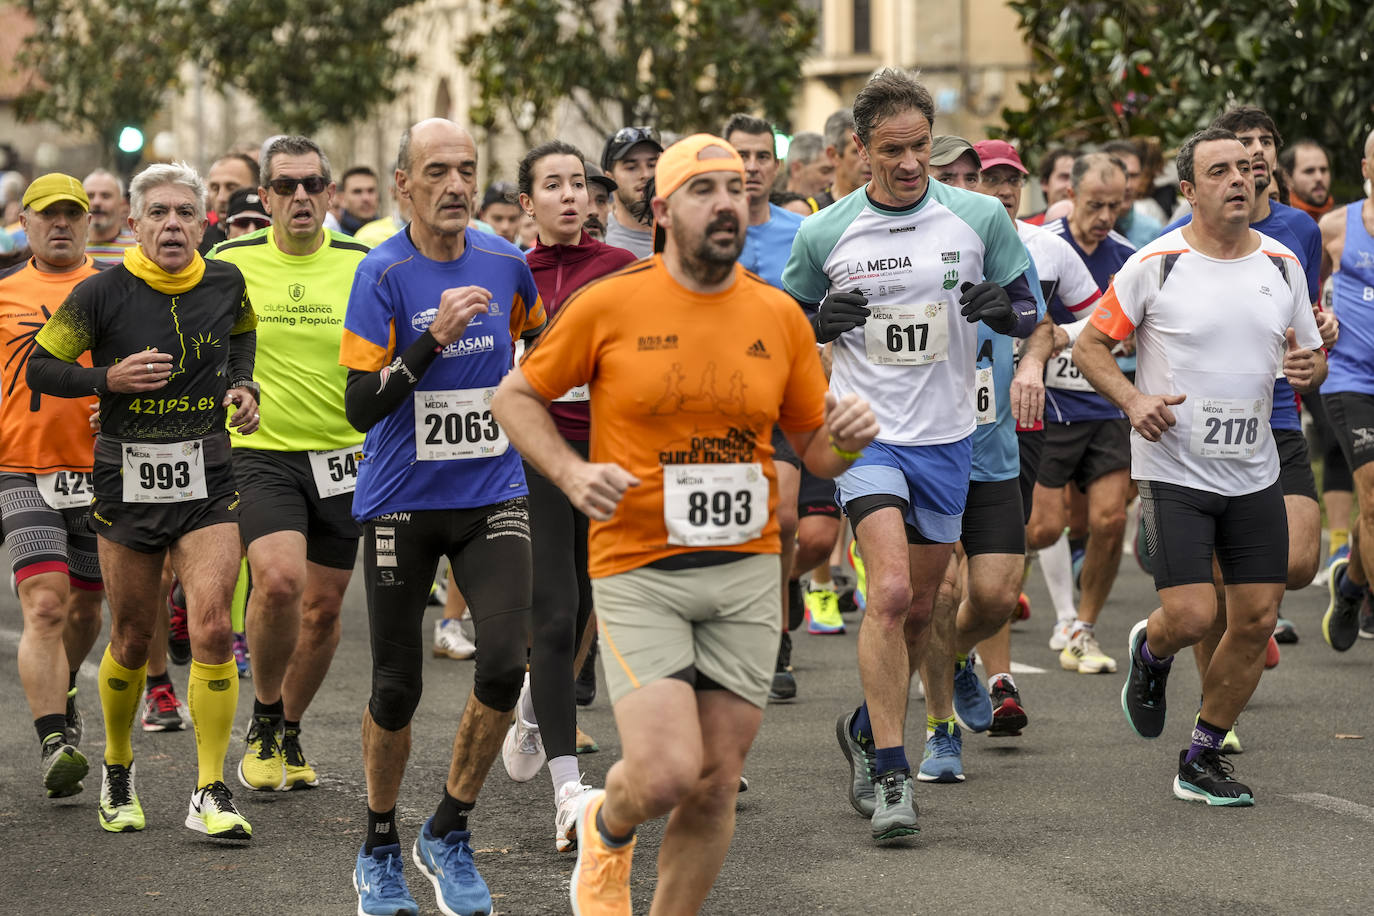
(681, 490)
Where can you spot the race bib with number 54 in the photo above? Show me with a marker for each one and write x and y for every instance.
(336, 472)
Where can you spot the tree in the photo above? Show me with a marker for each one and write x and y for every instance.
(306, 63)
(1131, 67)
(677, 65)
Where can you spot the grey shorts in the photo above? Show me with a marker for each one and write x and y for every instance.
(724, 621)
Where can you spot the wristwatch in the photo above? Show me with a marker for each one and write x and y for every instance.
(250, 385)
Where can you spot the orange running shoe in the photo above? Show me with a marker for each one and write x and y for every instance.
(601, 878)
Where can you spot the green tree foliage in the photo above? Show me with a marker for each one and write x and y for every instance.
(306, 63)
(1166, 68)
(681, 65)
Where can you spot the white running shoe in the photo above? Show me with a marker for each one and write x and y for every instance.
(450, 641)
(1059, 637)
(523, 750)
(569, 801)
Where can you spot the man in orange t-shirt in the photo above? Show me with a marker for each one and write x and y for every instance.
(46, 451)
(691, 360)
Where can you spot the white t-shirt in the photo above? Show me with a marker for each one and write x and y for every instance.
(1060, 268)
(1212, 330)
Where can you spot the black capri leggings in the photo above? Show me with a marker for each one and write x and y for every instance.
(562, 605)
(488, 548)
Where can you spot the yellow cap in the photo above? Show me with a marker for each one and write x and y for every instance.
(684, 160)
(55, 186)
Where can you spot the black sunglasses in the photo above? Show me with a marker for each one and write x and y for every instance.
(286, 187)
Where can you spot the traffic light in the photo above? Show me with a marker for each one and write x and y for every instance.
(128, 150)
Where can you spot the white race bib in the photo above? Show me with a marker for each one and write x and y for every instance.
(907, 335)
(1064, 375)
(574, 395)
(1228, 427)
(336, 472)
(714, 505)
(457, 425)
(65, 489)
(984, 396)
(164, 472)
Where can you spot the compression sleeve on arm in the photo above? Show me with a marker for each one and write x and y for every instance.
(370, 396)
(48, 374)
(1024, 305)
(242, 350)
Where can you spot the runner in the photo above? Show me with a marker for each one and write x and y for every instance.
(1201, 449)
(554, 190)
(45, 483)
(172, 340)
(429, 332)
(885, 271)
(1348, 395)
(681, 491)
(628, 158)
(297, 474)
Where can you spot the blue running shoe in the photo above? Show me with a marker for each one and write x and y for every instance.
(972, 705)
(380, 884)
(448, 865)
(944, 757)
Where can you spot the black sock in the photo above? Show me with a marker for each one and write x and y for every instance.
(267, 709)
(71, 681)
(156, 679)
(452, 815)
(46, 726)
(287, 726)
(381, 830)
(615, 842)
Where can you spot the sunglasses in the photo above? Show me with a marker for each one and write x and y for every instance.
(635, 135)
(286, 187)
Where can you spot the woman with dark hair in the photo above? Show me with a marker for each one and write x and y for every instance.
(553, 191)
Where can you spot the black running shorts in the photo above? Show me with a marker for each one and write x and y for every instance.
(1082, 452)
(1295, 466)
(1184, 527)
(279, 494)
(992, 518)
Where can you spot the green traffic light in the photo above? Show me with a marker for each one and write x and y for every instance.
(130, 140)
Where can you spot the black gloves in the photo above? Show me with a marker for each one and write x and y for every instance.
(839, 313)
(988, 303)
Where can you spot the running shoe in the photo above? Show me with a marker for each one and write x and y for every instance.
(1284, 632)
(1323, 576)
(242, 660)
(212, 813)
(823, 613)
(1271, 653)
(1142, 696)
(299, 773)
(568, 801)
(796, 604)
(849, 602)
(862, 759)
(1008, 715)
(522, 752)
(120, 811)
(63, 768)
(1366, 619)
(972, 705)
(784, 686)
(380, 881)
(162, 710)
(76, 725)
(263, 766)
(451, 642)
(586, 744)
(944, 756)
(1023, 609)
(1341, 623)
(438, 591)
(895, 812)
(1208, 779)
(447, 863)
(585, 687)
(178, 630)
(1084, 655)
(1059, 636)
(600, 883)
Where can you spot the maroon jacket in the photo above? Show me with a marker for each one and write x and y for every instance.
(559, 271)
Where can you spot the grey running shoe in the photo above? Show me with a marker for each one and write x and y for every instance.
(862, 768)
(63, 769)
(76, 726)
(895, 814)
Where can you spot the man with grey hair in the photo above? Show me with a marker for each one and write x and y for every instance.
(172, 340)
(851, 169)
(809, 169)
(298, 473)
(110, 234)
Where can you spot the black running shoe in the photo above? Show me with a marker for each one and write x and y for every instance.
(1341, 622)
(784, 682)
(1366, 618)
(178, 630)
(847, 603)
(1008, 715)
(796, 604)
(1208, 779)
(1142, 697)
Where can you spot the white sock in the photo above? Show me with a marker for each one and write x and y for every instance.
(1057, 566)
(563, 770)
(527, 702)
(1081, 626)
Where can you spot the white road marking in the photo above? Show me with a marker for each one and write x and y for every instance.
(1018, 668)
(1338, 805)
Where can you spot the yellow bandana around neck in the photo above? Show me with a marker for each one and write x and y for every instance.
(147, 270)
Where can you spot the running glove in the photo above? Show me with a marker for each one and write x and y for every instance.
(989, 303)
(840, 312)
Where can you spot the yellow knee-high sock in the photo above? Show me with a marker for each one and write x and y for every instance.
(120, 691)
(212, 695)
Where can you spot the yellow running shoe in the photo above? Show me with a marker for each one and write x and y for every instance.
(299, 773)
(823, 612)
(1084, 655)
(212, 813)
(263, 767)
(120, 811)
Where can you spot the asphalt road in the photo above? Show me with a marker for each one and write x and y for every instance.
(1076, 816)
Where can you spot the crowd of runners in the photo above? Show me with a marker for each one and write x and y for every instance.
(643, 407)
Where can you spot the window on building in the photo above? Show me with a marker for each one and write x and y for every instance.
(863, 27)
